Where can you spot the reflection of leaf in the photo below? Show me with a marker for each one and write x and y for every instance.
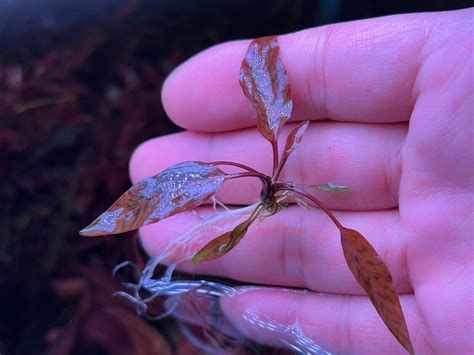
(264, 82)
(181, 187)
(374, 276)
(225, 242)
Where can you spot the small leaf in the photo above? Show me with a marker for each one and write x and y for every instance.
(295, 137)
(225, 242)
(330, 187)
(292, 142)
(265, 83)
(213, 249)
(374, 277)
(179, 188)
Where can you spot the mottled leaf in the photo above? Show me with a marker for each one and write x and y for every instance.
(224, 243)
(264, 82)
(374, 277)
(330, 187)
(181, 187)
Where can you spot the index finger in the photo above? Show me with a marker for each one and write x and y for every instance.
(361, 71)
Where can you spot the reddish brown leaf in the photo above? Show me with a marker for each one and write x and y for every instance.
(292, 142)
(374, 277)
(295, 137)
(225, 242)
(264, 82)
(181, 187)
(212, 250)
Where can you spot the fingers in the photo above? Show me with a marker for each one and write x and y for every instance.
(358, 71)
(295, 247)
(338, 324)
(363, 157)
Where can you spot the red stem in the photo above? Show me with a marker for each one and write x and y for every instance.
(315, 201)
(265, 179)
(277, 173)
(275, 157)
(231, 163)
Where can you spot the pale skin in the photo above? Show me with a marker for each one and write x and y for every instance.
(396, 98)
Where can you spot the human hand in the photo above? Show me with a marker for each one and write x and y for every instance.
(398, 95)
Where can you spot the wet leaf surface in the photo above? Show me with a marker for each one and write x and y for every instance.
(223, 244)
(374, 277)
(265, 83)
(179, 188)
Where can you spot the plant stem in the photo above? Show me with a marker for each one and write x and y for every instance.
(315, 201)
(275, 157)
(265, 179)
(238, 165)
(256, 213)
(277, 173)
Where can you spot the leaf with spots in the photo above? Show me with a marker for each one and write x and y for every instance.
(374, 277)
(265, 83)
(292, 142)
(179, 188)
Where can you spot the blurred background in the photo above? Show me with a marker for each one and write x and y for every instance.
(79, 90)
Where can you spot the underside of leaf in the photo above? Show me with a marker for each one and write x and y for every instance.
(214, 249)
(227, 241)
(265, 83)
(179, 188)
(374, 277)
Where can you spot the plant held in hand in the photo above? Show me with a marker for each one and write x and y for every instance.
(186, 185)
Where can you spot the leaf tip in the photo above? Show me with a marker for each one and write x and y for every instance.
(105, 224)
(374, 276)
(84, 232)
(92, 231)
(205, 254)
(196, 259)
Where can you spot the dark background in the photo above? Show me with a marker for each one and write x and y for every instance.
(79, 89)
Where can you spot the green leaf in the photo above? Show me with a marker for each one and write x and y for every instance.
(330, 187)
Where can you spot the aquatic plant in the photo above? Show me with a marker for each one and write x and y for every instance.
(187, 185)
